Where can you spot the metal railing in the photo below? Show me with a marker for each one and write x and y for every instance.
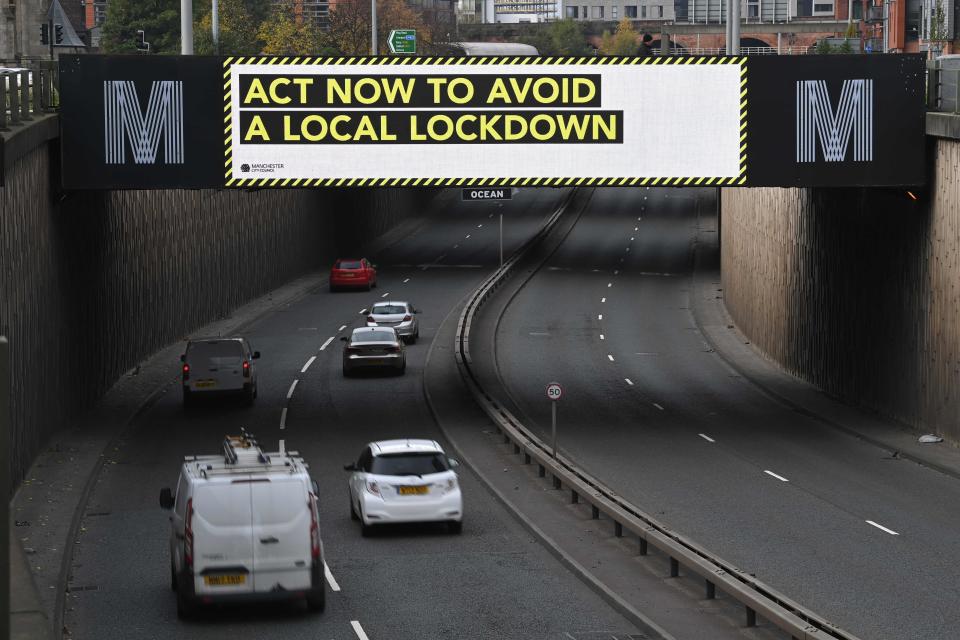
(943, 85)
(27, 92)
(744, 51)
(756, 596)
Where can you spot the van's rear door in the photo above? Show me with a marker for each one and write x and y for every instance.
(222, 545)
(281, 535)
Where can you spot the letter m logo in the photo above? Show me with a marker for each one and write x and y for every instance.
(125, 124)
(816, 120)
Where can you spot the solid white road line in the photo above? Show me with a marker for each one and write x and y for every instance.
(357, 629)
(322, 347)
(882, 528)
(385, 294)
(283, 418)
(406, 281)
(292, 387)
(610, 357)
(628, 381)
(706, 437)
(771, 473)
(658, 406)
(330, 579)
(312, 358)
(342, 328)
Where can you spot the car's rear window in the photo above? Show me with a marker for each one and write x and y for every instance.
(226, 353)
(348, 264)
(389, 309)
(375, 336)
(409, 464)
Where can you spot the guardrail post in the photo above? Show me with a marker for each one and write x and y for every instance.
(25, 95)
(643, 546)
(541, 471)
(594, 512)
(751, 617)
(674, 567)
(711, 590)
(556, 482)
(516, 448)
(526, 458)
(506, 438)
(3, 98)
(574, 497)
(13, 97)
(618, 529)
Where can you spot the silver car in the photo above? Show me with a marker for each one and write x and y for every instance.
(402, 316)
(369, 347)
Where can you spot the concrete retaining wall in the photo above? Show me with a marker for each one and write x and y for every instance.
(856, 291)
(92, 283)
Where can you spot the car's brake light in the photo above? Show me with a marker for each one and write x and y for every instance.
(246, 368)
(407, 318)
(186, 372)
(314, 529)
(371, 319)
(188, 536)
(393, 349)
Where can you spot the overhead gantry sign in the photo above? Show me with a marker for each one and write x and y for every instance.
(160, 122)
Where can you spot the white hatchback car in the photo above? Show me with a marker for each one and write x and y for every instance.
(405, 481)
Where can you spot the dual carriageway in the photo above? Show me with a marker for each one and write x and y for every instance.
(861, 537)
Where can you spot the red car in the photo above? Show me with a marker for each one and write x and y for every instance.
(353, 273)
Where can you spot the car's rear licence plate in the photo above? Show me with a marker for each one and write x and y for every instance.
(206, 384)
(346, 275)
(412, 491)
(225, 581)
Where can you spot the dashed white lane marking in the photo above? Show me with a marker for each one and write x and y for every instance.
(283, 418)
(610, 358)
(603, 299)
(330, 579)
(609, 284)
(636, 228)
(539, 333)
(468, 237)
(479, 226)
(778, 477)
(341, 328)
(600, 317)
(357, 629)
(292, 387)
(658, 406)
(616, 271)
(706, 437)
(312, 358)
(322, 347)
(628, 249)
(601, 337)
(632, 238)
(363, 311)
(385, 294)
(406, 281)
(628, 381)
(456, 246)
(882, 528)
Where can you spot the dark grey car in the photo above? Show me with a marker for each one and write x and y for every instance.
(374, 347)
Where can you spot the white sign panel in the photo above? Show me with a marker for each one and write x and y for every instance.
(554, 391)
(477, 120)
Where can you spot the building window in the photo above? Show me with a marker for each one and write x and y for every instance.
(573, 12)
(613, 12)
(630, 11)
(584, 13)
(822, 8)
(99, 13)
(643, 11)
(597, 12)
(657, 10)
(753, 10)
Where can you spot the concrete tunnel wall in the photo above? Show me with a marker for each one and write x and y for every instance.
(93, 283)
(856, 291)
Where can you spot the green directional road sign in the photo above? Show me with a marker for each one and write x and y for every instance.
(403, 41)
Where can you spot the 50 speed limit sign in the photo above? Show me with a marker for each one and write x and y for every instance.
(554, 391)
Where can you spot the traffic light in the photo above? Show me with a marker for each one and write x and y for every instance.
(45, 33)
(58, 30)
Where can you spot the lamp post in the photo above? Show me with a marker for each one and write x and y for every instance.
(186, 27)
(373, 27)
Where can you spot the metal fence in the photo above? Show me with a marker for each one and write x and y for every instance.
(27, 92)
(744, 51)
(943, 84)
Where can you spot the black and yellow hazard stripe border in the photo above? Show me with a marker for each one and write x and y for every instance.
(230, 181)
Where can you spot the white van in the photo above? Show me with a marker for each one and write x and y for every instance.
(217, 366)
(244, 525)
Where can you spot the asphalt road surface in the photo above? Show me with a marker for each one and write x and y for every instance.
(833, 522)
(417, 583)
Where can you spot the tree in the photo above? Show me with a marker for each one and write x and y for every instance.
(286, 33)
(561, 38)
(159, 20)
(937, 29)
(349, 31)
(240, 22)
(845, 47)
(823, 47)
(623, 42)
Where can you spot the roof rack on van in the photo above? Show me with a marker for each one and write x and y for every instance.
(243, 455)
(242, 445)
